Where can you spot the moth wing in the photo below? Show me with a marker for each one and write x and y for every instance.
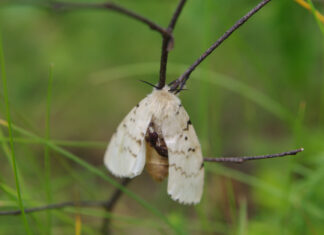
(125, 155)
(186, 169)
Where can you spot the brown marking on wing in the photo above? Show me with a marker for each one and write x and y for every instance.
(180, 152)
(130, 151)
(182, 171)
(188, 124)
(133, 137)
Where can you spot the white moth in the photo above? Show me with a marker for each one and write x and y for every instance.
(157, 134)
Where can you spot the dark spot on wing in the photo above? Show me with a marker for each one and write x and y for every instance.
(187, 127)
(186, 138)
(191, 149)
(137, 105)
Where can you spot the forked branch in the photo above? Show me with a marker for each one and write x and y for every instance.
(70, 6)
(178, 84)
(113, 7)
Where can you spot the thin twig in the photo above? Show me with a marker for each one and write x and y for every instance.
(110, 204)
(167, 44)
(57, 206)
(243, 159)
(185, 76)
(61, 6)
(107, 204)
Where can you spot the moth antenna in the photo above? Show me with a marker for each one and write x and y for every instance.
(148, 83)
(177, 90)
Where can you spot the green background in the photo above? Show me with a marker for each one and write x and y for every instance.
(260, 92)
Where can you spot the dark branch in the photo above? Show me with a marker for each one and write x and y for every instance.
(167, 44)
(57, 206)
(62, 6)
(108, 204)
(243, 159)
(185, 76)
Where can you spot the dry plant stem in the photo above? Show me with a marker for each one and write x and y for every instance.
(110, 206)
(110, 6)
(107, 204)
(185, 76)
(243, 159)
(167, 44)
(57, 206)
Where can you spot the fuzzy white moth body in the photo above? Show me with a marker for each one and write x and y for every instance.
(158, 133)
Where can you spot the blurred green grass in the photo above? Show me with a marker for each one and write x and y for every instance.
(260, 92)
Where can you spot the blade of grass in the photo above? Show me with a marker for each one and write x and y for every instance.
(242, 218)
(11, 192)
(65, 143)
(6, 148)
(68, 220)
(293, 198)
(95, 171)
(58, 214)
(231, 201)
(78, 224)
(13, 157)
(47, 164)
(143, 222)
(316, 16)
(308, 7)
(218, 79)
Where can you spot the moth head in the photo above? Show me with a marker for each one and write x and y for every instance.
(176, 88)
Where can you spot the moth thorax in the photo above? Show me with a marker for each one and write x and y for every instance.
(157, 164)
